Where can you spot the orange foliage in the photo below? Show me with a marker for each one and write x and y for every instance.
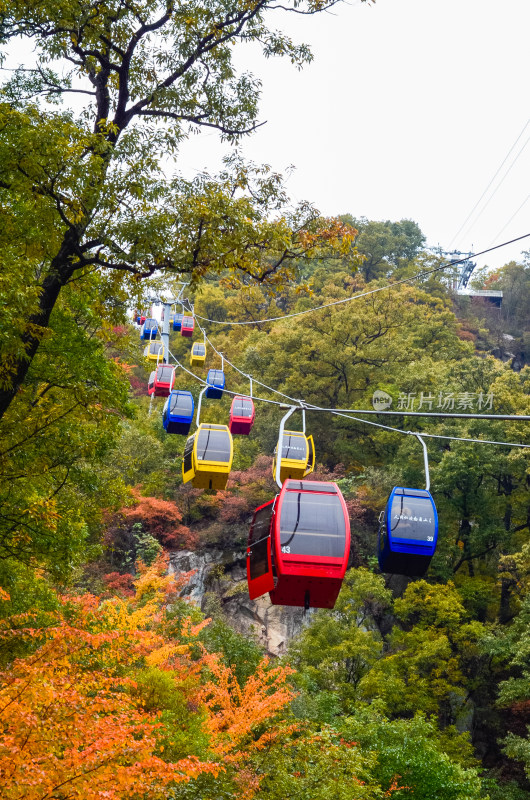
(70, 724)
(236, 711)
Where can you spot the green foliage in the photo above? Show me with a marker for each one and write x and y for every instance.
(338, 649)
(319, 766)
(385, 245)
(237, 651)
(413, 750)
(146, 546)
(56, 442)
(182, 724)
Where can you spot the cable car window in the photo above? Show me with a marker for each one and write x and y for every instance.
(187, 321)
(294, 446)
(261, 524)
(199, 350)
(181, 404)
(242, 407)
(151, 380)
(259, 536)
(213, 445)
(164, 374)
(412, 518)
(155, 348)
(312, 526)
(188, 450)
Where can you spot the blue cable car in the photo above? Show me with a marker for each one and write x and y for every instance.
(177, 415)
(177, 322)
(408, 532)
(216, 383)
(149, 329)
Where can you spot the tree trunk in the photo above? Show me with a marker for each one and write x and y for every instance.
(61, 269)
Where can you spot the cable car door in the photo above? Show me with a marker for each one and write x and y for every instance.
(310, 464)
(187, 460)
(259, 563)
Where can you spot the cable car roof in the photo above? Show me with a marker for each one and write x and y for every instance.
(311, 486)
(180, 403)
(242, 407)
(216, 377)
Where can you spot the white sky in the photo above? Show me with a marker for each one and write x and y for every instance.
(407, 111)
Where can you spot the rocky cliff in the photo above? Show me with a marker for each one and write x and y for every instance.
(223, 576)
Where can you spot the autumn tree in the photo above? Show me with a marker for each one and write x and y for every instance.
(73, 716)
(85, 191)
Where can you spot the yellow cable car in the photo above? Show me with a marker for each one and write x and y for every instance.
(208, 457)
(154, 351)
(298, 456)
(198, 354)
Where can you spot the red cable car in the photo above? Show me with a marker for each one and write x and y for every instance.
(164, 379)
(299, 545)
(187, 325)
(242, 415)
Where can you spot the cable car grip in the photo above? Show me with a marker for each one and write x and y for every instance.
(425, 459)
(292, 409)
(198, 418)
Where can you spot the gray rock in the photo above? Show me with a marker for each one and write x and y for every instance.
(224, 575)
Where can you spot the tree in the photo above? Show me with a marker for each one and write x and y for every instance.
(73, 718)
(336, 650)
(86, 192)
(385, 245)
(56, 473)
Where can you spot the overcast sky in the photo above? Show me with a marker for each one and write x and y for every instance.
(407, 111)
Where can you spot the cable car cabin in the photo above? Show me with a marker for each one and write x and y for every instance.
(149, 328)
(198, 354)
(177, 415)
(177, 321)
(154, 351)
(186, 326)
(151, 383)
(299, 545)
(242, 414)
(408, 532)
(208, 457)
(298, 456)
(164, 379)
(216, 383)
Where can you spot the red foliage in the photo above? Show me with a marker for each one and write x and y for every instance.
(162, 519)
(356, 511)
(259, 473)
(235, 508)
(119, 585)
(466, 336)
(138, 386)
(120, 331)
